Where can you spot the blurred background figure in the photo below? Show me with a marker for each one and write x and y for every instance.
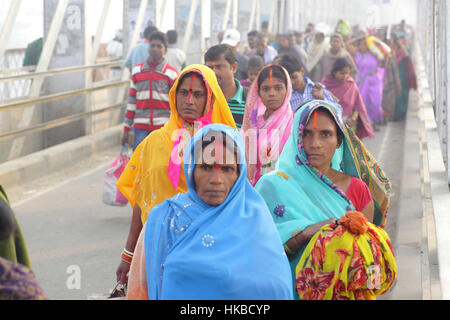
(407, 76)
(296, 41)
(232, 37)
(337, 50)
(370, 82)
(251, 42)
(139, 53)
(255, 65)
(268, 53)
(265, 31)
(115, 50)
(316, 50)
(344, 28)
(287, 43)
(175, 56)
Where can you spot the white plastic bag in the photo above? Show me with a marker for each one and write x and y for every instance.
(111, 194)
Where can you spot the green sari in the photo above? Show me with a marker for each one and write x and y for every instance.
(408, 81)
(14, 248)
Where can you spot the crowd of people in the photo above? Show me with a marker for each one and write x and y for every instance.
(249, 178)
(257, 177)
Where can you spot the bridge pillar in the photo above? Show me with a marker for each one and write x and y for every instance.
(70, 50)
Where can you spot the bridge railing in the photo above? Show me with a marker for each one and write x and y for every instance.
(434, 36)
(12, 65)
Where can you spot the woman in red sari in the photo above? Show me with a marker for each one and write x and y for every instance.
(343, 86)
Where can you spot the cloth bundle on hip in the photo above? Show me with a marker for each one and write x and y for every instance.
(110, 193)
(350, 260)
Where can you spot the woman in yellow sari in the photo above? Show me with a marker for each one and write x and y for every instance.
(155, 172)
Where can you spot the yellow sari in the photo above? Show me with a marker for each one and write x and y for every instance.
(145, 181)
(351, 260)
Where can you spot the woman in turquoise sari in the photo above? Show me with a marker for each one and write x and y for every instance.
(216, 242)
(311, 187)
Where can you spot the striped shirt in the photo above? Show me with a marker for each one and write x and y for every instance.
(237, 104)
(299, 98)
(148, 101)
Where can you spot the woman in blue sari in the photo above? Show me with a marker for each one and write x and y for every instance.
(309, 189)
(218, 241)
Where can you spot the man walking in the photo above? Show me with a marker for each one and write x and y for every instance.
(175, 56)
(148, 102)
(222, 60)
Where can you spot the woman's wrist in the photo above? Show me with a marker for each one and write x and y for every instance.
(127, 256)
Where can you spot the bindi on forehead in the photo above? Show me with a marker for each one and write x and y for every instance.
(193, 77)
(271, 78)
(315, 119)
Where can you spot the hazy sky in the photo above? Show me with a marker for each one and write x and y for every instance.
(29, 22)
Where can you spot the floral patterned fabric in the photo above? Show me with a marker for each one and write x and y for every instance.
(17, 282)
(339, 264)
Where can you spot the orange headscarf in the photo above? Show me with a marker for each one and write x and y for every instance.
(145, 181)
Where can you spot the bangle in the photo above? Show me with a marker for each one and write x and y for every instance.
(128, 252)
(127, 256)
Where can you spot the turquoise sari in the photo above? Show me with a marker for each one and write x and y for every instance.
(298, 195)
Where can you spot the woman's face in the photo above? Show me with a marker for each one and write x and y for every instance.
(336, 44)
(363, 46)
(320, 140)
(319, 37)
(272, 94)
(342, 75)
(215, 176)
(191, 98)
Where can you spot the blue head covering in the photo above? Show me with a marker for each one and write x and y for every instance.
(195, 251)
(297, 194)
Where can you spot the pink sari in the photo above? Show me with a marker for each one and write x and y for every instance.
(350, 100)
(265, 139)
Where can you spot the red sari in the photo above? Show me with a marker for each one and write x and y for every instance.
(350, 99)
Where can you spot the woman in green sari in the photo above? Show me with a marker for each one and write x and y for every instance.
(14, 247)
(17, 281)
(407, 76)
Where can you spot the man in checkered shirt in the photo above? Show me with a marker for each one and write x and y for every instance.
(148, 106)
(303, 88)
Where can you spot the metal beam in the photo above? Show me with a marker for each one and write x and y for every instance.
(235, 14)
(35, 75)
(206, 23)
(226, 17)
(134, 40)
(190, 25)
(92, 56)
(272, 16)
(44, 61)
(258, 15)
(8, 26)
(281, 19)
(252, 16)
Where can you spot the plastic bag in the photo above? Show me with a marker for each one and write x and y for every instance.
(111, 194)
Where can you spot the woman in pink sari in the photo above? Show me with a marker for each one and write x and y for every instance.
(344, 87)
(267, 121)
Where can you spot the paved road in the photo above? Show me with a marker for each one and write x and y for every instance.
(70, 232)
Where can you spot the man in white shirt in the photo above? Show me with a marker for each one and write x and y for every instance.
(263, 49)
(175, 56)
